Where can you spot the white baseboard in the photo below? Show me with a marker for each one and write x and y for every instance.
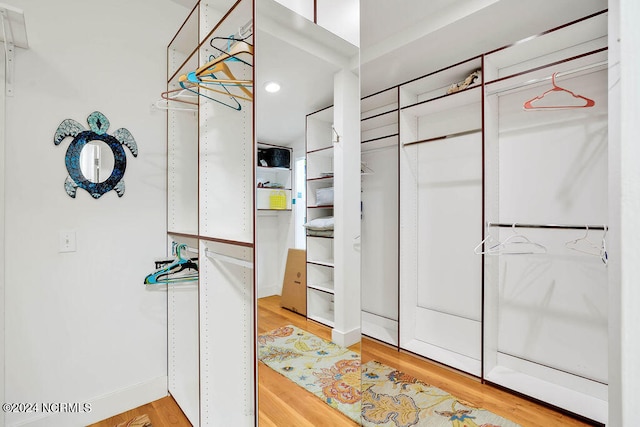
(103, 407)
(345, 339)
(267, 291)
(380, 328)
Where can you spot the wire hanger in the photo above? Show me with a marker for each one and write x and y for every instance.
(204, 84)
(586, 246)
(180, 270)
(190, 87)
(516, 244)
(176, 95)
(179, 95)
(530, 107)
(231, 80)
(238, 48)
(205, 74)
(230, 40)
(162, 104)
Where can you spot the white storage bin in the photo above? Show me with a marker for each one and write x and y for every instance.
(324, 196)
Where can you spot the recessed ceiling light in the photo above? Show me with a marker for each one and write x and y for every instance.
(271, 87)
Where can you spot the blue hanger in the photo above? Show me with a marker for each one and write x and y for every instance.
(233, 107)
(168, 274)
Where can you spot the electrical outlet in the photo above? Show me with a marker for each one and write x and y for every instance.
(67, 241)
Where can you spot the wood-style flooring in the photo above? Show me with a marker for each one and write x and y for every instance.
(284, 404)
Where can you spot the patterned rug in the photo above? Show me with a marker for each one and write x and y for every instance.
(322, 367)
(391, 398)
(388, 397)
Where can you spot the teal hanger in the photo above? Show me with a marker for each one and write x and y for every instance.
(180, 270)
(237, 105)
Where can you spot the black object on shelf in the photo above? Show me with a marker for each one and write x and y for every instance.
(275, 157)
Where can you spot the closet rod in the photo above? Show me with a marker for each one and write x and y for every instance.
(184, 247)
(542, 79)
(554, 226)
(229, 259)
(439, 138)
(190, 249)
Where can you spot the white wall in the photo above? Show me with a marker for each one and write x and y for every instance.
(2, 268)
(81, 327)
(625, 67)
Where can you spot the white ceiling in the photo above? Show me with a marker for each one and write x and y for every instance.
(400, 40)
(406, 39)
(303, 58)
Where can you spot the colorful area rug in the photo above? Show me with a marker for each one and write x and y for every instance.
(322, 367)
(394, 399)
(372, 394)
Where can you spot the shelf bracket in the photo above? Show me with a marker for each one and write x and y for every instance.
(9, 51)
(14, 35)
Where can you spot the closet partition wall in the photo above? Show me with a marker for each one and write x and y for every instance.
(441, 217)
(379, 229)
(211, 209)
(182, 219)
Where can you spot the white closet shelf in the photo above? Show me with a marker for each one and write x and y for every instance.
(377, 102)
(319, 237)
(320, 179)
(377, 111)
(323, 263)
(320, 207)
(379, 120)
(326, 287)
(273, 169)
(326, 151)
(586, 35)
(589, 62)
(324, 320)
(455, 100)
(380, 143)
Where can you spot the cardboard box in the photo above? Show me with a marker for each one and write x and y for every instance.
(294, 286)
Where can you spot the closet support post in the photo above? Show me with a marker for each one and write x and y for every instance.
(9, 49)
(346, 329)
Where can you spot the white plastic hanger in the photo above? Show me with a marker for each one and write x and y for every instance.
(516, 244)
(586, 246)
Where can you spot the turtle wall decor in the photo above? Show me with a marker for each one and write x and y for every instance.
(98, 125)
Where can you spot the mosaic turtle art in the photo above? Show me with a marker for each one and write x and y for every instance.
(98, 125)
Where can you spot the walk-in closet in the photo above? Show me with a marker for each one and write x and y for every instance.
(336, 212)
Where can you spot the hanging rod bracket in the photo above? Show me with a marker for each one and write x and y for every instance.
(13, 35)
(9, 52)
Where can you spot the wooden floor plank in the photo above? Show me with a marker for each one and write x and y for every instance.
(282, 403)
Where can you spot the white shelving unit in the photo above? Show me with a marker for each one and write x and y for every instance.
(211, 208)
(320, 250)
(270, 175)
(333, 191)
(273, 221)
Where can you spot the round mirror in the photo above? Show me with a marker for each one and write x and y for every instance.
(96, 161)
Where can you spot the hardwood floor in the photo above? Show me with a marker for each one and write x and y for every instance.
(284, 404)
(163, 412)
(281, 402)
